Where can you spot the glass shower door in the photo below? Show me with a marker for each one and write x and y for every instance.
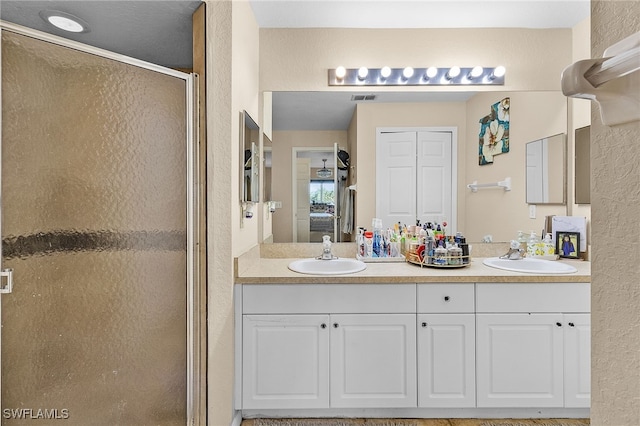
(95, 225)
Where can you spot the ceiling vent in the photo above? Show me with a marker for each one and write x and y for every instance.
(363, 97)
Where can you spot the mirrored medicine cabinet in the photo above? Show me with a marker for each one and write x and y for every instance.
(546, 170)
(249, 159)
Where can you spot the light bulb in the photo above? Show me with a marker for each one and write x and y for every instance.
(385, 72)
(499, 71)
(475, 72)
(363, 72)
(432, 72)
(407, 73)
(453, 72)
(340, 72)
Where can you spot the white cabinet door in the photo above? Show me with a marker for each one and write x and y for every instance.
(446, 360)
(285, 361)
(520, 360)
(373, 360)
(577, 360)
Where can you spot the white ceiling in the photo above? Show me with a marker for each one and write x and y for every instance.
(419, 13)
(160, 32)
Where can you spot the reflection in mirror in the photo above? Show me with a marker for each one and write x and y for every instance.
(546, 170)
(267, 151)
(249, 159)
(583, 165)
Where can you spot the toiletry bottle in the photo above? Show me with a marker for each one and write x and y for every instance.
(523, 241)
(360, 240)
(549, 249)
(368, 243)
(532, 245)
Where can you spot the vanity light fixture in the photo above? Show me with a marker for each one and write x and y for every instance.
(64, 21)
(324, 172)
(410, 76)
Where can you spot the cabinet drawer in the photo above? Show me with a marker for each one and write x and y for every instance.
(328, 298)
(445, 298)
(533, 297)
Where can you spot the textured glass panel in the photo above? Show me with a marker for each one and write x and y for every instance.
(94, 225)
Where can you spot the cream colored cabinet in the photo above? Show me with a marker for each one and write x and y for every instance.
(329, 346)
(373, 361)
(532, 344)
(285, 361)
(520, 360)
(446, 345)
(577, 360)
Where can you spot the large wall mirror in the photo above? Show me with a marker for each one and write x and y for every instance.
(249, 159)
(320, 119)
(546, 170)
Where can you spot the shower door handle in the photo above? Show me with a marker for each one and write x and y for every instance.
(6, 281)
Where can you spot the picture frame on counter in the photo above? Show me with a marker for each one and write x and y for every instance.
(568, 244)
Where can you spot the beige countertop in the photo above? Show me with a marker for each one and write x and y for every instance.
(275, 271)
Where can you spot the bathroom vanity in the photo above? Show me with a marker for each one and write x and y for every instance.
(399, 340)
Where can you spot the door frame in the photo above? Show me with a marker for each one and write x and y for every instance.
(453, 221)
(196, 360)
(294, 199)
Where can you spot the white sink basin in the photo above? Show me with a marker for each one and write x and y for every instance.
(530, 265)
(327, 267)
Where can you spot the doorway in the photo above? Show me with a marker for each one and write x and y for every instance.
(98, 225)
(317, 188)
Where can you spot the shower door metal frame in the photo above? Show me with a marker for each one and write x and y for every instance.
(195, 361)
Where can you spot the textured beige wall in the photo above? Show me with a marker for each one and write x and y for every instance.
(615, 204)
(244, 96)
(298, 59)
(220, 154)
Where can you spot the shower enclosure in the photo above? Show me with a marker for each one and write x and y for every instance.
(98, 218)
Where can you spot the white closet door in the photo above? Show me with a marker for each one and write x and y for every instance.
(434, 200)
(396, 178)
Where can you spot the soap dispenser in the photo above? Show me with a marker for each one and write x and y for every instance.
(549, 249)
(532, 245)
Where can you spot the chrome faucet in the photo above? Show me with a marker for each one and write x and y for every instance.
(515, 252)
(326, 249)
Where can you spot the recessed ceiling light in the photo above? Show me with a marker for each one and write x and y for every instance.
(64, 21)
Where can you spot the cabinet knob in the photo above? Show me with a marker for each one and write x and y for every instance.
(323, 325)
(559, 324)
(446, 298)
(424, 324)
(335, 325)
(571, 324)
